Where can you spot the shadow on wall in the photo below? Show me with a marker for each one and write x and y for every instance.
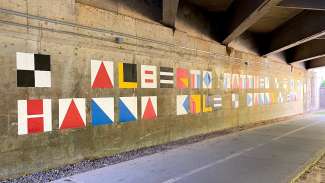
(190, 18)
(151, 9)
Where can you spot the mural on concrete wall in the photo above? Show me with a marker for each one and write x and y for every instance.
(295, 97)
(267, 98)
(102, 111)
(195, 77)
(256, 98)
(235, 100)
(262, 82)
(207, 79)
(148, 76)
(235, 81)
(272, 98)
(207, 103)
(250, 82)
(249, 99)
(182, 78)
(280, 97)
(72, 113)
(149, 107)
(261, 99)
(256, 82)
(195, 104)
(33, 70)
(300, 90)
(292, 84)
(102, 74)
(127, 75)
(128, 109)
(182, 104)
(285, 83)
(288, 98)
(276, 83)
(292, 96)
(166, 77)
(226, 81)
(217, 102)
(242, 81)
(34, 116)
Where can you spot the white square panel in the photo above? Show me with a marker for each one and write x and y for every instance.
(148, 76)
(42, 78)
(25, 61)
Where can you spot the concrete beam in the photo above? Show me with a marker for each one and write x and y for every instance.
(303, 4)
(308, 51)
(304, 27)
(170, 12)
(242, 14)
(320, 62)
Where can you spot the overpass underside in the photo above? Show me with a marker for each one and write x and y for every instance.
(85, 79)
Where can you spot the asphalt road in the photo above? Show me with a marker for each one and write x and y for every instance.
(268, 154)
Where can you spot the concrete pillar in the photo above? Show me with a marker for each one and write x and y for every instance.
(315, 85)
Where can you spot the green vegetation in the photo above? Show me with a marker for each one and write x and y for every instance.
(323, 84)
(320, 113)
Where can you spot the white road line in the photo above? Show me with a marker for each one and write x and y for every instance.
(175, 179)
(294, 131)
(194, 171)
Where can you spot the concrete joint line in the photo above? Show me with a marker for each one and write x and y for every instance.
(60, 22)
(20, 14)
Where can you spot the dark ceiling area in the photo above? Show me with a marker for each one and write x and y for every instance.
(294, 28)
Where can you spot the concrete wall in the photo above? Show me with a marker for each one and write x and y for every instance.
(73, 34)
(322, 97)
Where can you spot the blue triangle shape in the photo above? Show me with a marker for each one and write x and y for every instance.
(125, 114)
(99, 117)
(186, 104)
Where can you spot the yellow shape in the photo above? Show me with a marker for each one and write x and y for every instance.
(205, 107)
(195, 104)
(123, 84)
(185, 81)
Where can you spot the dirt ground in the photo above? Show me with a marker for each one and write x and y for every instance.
(314, 175)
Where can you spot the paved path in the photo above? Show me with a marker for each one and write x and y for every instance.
(269, 154)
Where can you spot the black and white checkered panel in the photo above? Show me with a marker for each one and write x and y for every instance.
(33, 70)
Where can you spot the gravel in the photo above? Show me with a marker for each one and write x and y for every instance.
(315, 174)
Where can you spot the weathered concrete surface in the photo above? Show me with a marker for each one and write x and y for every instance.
(269, 154)
(73, 34)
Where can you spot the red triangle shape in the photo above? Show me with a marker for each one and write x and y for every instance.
(149, 112)
(72, 118)
(102, 79)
